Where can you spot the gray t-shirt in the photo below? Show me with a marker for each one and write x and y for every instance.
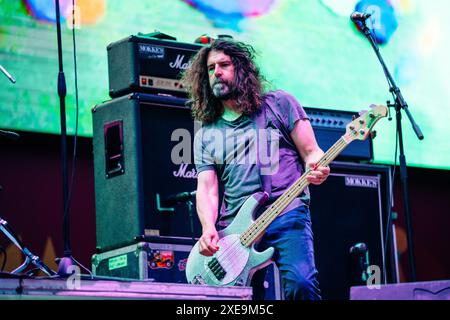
(234, 148)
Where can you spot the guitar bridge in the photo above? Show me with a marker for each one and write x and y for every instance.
(198, 280)
(217, 270)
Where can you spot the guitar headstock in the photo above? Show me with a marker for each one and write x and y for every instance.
(360, 128)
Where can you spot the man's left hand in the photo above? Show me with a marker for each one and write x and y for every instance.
(318, 174)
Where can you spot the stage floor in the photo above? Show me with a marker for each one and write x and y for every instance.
(37, 289)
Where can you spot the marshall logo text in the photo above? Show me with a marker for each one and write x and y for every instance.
(184, 173)
(179, 63)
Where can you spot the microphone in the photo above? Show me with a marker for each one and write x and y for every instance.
(359, 248)
(360, 16)
(360, 252)
(179, 197)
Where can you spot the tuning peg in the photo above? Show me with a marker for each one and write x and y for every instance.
(362, 112)
(373, 134)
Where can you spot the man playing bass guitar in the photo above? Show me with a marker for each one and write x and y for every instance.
(228, 98)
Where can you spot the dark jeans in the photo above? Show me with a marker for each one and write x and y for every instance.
(292, 237)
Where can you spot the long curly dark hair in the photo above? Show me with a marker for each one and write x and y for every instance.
(248, 81)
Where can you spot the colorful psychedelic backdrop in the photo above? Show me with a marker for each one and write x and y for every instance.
(307, 47)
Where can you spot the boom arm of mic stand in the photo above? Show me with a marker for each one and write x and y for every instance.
(6, 73)
(400, 101)
(29, 257)
(9, 134)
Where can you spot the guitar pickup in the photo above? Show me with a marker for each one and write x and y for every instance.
(217, 270)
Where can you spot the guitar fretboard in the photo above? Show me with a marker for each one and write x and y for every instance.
(257, 228)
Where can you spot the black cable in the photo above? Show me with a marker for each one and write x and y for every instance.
(32, 272)
(90, 273)
(75, 144)
(74, 157)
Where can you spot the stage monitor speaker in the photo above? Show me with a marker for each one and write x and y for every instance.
(138, 160)
(350, 209)
(430, 290)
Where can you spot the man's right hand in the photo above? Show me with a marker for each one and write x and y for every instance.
(208, 242)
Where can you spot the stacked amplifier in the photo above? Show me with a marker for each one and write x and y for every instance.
(133, 142)
(132, 137)
(149, 65)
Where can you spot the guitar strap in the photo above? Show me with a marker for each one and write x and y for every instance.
(262, 124)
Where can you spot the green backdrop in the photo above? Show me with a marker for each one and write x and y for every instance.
(305, 47)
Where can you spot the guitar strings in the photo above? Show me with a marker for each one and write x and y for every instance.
(300, 185)
(266, 218)
(295, 189)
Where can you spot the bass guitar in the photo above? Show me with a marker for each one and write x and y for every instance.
(237, 260)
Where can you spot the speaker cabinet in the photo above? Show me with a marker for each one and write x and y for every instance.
(140, 143)
(350, 208)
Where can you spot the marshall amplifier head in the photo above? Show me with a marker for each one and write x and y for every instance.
(149, 65)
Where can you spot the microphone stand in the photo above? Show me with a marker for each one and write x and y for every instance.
(3, 133)
(29, 257)
(67, 261)
(4, 226)
(6, 73)
(9, 134)
(190, 205)
(399, 105)
(179, 198)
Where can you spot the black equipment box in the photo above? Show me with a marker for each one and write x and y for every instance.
(329, 125)
(162, 262)
(351, 207)
(150, 65)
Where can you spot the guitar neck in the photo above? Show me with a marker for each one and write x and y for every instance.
(260, 225)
